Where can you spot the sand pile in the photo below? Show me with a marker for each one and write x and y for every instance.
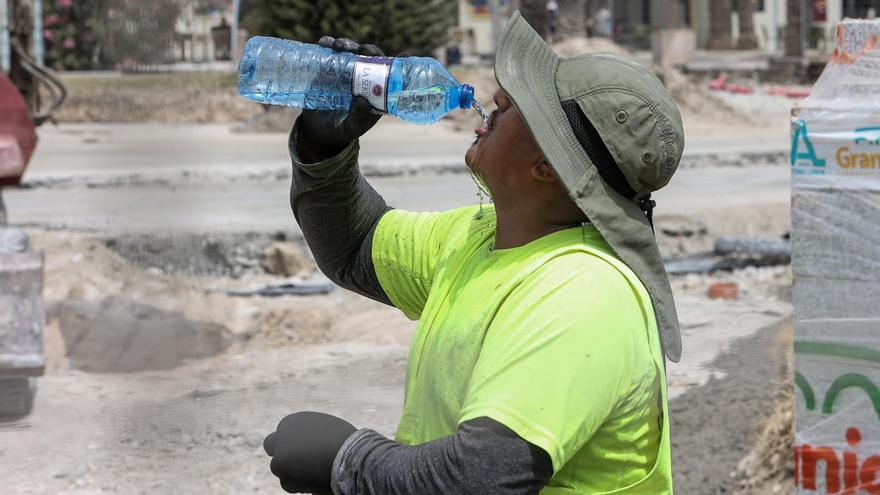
(106, 315)
(116, 309)
(572, 47)
(769, 467)
(695, 101)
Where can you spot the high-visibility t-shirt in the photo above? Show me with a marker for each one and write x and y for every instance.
(555, 339)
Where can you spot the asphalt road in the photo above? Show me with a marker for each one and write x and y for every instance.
(141, 178)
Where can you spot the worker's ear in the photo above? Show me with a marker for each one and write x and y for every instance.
(542, 171)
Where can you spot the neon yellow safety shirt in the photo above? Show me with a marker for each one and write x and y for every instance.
(555, 339)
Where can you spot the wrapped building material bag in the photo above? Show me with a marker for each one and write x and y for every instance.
(835, 158)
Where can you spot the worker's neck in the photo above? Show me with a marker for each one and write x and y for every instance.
(519, 224)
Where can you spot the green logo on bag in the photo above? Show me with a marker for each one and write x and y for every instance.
(844, 381)
(867, 135)
(803, 156)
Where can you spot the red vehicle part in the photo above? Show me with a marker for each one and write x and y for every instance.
(18, 137)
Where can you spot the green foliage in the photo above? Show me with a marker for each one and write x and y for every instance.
(70, 34)
(138, 32)
(102, 34)
(417, 26)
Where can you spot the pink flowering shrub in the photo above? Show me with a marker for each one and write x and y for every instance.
(102, 34)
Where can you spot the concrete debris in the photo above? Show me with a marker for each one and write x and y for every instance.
(232, 255)
(724, 290)
(13, 241)
(21, 322)
(21, 325)
(286, 289)
(285, 259)
(761, 247)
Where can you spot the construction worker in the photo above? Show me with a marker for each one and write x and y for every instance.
(538, 361)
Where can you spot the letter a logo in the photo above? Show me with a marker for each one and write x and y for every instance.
(802, 147)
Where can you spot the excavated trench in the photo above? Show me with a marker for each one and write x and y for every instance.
(116, 335)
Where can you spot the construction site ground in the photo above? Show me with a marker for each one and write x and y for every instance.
(159, 382)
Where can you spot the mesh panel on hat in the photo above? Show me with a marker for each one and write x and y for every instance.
(589, 139)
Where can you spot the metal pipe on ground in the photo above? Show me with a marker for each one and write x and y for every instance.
(732, 253)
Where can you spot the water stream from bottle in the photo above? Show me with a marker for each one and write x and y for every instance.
(482, 111)
(482, 189)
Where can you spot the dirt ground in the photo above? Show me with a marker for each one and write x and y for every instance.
(172, 98)
(211, 97)
(158, 383)
(725, 419)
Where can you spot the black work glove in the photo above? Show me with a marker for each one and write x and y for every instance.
(325, 133)
(303, 449)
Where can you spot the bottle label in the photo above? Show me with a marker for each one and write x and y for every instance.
(371, 80)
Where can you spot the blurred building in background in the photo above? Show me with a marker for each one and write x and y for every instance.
(137, 35)
(128, 34)
(202, 32)
(677, 25)
(478, 24)
(820, 18)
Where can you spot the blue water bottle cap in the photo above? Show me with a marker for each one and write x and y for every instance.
(467, 96)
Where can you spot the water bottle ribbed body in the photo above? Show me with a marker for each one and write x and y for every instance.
(289, 73)
(294, 74)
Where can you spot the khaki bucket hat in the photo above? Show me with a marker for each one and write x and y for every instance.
(613, 135)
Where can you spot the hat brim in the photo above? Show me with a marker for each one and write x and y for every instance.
(525, 67)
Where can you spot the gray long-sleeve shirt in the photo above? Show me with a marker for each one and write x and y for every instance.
(338, 211)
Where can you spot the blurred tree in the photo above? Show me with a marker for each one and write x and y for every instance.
(794, 39)
(418, 26)
(103, 34)
(572, 18)
(70, 33)
(535, 13)
(137, 33)
(744, 12)
(720, 34)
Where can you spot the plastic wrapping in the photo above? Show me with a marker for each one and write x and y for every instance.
(835, 159)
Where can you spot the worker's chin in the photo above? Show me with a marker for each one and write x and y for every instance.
(470, 156)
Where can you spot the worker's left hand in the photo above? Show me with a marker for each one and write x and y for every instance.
(303, 449)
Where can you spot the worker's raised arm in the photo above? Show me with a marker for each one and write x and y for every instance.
(392, 260)
(359, 242)
(334, 205)
(337, 211)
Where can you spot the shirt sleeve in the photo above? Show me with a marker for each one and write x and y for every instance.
(338, 211)
(482, 457)
(407, 248)
(560, 354)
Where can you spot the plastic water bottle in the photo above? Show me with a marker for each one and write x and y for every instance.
(289, 73)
